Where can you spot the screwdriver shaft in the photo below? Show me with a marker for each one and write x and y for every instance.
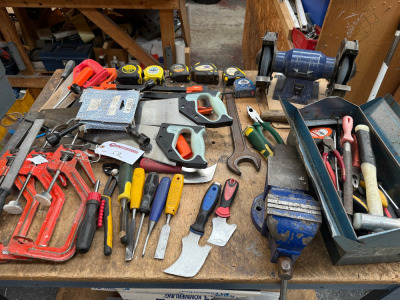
(152, 224)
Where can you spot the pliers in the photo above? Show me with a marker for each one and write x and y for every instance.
(329, 146)
(265, 125)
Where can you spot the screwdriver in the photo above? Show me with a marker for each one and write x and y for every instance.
(76, 86)
(158, 206)
(124, 186)
(67, 70)
(88, 226)
(149, 190)
(173, 199)
(136, 197)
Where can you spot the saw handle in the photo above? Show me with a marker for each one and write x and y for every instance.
(150, 165)
(149, 190)
(208, 204)
(228, 195)
(174, 194)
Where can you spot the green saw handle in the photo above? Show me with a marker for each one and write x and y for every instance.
(216, 103)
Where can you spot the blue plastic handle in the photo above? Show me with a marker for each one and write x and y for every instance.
(160, 198)
(210, 200)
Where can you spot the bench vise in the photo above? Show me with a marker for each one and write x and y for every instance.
(300, 69)
(285, 213)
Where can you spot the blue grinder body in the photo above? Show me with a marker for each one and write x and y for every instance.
(301, 68)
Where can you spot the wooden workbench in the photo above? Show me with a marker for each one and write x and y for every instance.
(243, 263)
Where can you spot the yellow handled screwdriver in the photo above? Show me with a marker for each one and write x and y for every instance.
(173, 199)
(138, 179)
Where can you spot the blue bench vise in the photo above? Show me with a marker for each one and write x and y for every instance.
(299, 69)
(285, 213)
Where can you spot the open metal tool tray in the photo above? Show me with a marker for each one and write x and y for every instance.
(340, 239)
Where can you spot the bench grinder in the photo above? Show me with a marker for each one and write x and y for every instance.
(299, 69)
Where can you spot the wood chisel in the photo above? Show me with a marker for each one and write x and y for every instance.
(138, 180)
(346, 141)
(171, 207)
(223, 231)
(193, 256)
(157, 208)
(149, 190)
(8, 181)
(124, 197)
(87, 227)
(368, 168)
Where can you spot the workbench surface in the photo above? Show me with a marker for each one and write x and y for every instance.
(243, 262)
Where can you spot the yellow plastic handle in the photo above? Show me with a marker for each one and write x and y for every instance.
(138, 179)
(383, 197)
(174, 194)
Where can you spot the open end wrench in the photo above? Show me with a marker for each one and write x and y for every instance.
(241, 153)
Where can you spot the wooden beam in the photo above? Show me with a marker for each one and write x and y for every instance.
(27, 26)
(184, 22)
(28, 81)
(130, 4)
(167, 32)
(119, 36)
(9, 32)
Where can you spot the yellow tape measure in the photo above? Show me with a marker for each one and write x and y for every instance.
(154, 72)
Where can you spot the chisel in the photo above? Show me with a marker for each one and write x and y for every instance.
(149, 190)
(173, 199)
(136, 197)
(368, 168)
(157, 208)
(124, 197)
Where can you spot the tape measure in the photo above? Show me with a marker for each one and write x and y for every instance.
(205, 73)
(179, 73)
(154, 72)
(230, 74)
(319, 133)
(244, 88)
(130, 74)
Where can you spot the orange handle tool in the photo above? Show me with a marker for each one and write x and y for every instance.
(82, 77)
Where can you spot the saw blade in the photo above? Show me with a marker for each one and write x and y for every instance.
(156, 112)
(192, 257)
(221, 232)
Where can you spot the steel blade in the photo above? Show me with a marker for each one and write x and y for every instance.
(162, 242)
(156, 112)
(192, 257)
(192, 175)
(221, 232)
(101, 136)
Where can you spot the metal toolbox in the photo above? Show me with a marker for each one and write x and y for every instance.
(341, 241)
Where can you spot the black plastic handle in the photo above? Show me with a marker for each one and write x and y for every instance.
(4, 192)
(88, 227)
(228, 195)
(149, 190)
(108, 229)
(208, 204)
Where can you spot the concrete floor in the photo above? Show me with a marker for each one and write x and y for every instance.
(216, 32)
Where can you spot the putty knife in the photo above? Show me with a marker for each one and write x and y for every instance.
(193, 256)
(223, 231)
